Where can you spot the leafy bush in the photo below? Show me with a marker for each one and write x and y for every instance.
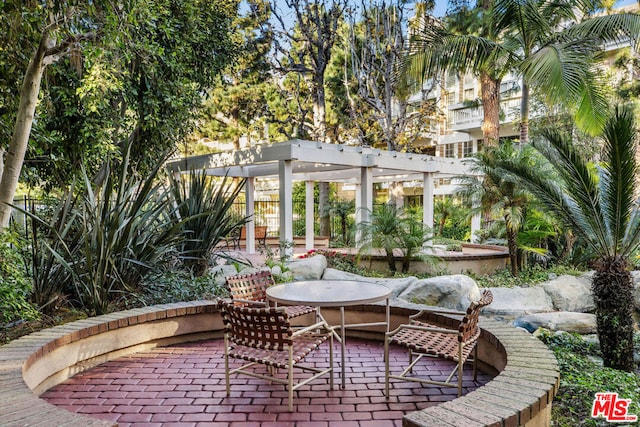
(581, 378)
(15, 286)
(342, 261)
(528, 276)
(162, 287)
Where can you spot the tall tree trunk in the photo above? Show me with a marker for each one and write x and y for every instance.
(524, 114)
(320, 133)
(612, 288)
(513, 250)
(491, 104)
(14, 157)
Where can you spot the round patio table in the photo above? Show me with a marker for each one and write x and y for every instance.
(333, 293)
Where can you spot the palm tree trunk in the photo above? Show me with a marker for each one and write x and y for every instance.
(612, 288)
(391, 261)
(491, 104)
(524, 114)
(513, 251)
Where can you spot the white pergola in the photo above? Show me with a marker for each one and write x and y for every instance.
(309, 161)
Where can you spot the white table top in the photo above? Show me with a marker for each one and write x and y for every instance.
(328, 293)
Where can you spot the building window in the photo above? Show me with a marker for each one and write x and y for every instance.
(468, 95)
(467, 148)
(449, 150)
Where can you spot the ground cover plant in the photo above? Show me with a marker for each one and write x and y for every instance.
(582, 376)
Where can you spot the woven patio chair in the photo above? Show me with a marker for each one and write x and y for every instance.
(424, 339)
(265, 336)
(250, 290)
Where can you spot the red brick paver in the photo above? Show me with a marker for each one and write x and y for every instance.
(183, 385)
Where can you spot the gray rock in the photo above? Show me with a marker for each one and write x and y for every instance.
(581, 323)
(516, 301)
(455, 292)
(397, 286)
(569, 293)
(219, 272)
(308, 268)
(276, 270)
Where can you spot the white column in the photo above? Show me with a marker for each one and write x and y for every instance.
(364, 198)
(308, 219)
(250, 210)
(476, 224)
(285, 177)
(427, 203)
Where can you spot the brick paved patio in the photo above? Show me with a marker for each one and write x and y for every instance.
(183, 385)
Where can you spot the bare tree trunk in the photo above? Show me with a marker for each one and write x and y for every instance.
(396, 194)
(14, 157)
(320, 134)
(491, 104)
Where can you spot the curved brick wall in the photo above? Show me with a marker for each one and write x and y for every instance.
(520, 395)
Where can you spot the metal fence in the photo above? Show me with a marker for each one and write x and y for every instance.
(267, 212)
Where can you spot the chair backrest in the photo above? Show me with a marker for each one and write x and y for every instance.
(468, 329)
(259, 230)
(250, 287)
(265, 328)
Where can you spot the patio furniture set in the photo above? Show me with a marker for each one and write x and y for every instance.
(262, 334)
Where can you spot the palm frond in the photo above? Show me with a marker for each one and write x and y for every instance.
(616, 28)
(618, 174)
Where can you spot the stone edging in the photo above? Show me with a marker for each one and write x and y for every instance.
(520, 395)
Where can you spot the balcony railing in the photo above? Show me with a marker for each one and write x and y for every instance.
(462, 117)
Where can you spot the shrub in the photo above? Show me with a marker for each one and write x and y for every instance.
(15, 286)
(163, 287)
(581, 377)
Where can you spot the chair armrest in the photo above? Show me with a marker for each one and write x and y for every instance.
(421, 328)
(251, 302)
(437, 311)
(309, 328)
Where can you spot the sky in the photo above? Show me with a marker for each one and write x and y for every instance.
(441, 5)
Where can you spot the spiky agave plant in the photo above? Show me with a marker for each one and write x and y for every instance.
(204, 209)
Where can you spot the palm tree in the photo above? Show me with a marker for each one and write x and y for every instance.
(464, 42)
(529, 38)
(599, 206)
(488, 189)
(392, 229)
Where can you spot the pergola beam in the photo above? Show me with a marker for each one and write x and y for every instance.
(299, 160)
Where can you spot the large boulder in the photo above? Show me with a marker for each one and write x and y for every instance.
(517, 301)
(455, 292)
(569, 293)
(581, 323)
(397, 286)
(311, 268)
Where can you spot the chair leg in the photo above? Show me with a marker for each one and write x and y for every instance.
(290, 377)
(331, 361)
(475, 363)
(386, 367)
(226, 365)
(460, 369)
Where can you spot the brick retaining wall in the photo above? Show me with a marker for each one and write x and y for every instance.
(520, 395)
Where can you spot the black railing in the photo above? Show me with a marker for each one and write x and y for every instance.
(266, 213)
